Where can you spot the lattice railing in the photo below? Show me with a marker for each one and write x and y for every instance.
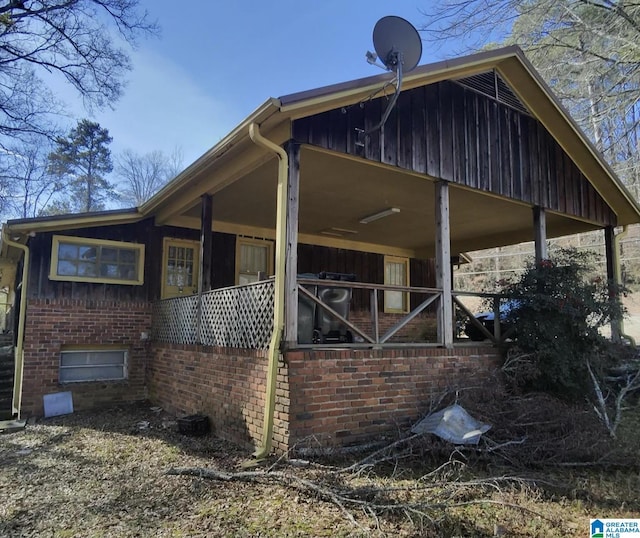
(175, 320)
(240, 316)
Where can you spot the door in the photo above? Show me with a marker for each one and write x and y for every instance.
(180, 265)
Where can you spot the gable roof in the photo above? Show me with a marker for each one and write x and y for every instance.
(235, 155)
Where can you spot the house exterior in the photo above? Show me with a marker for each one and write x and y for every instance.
(295, 281)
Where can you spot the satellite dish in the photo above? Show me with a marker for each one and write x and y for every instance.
(397, 43)
(399, 48)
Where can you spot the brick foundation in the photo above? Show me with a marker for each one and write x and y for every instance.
(338, 397)
(225, 384)
(52, 324)
(347, 397)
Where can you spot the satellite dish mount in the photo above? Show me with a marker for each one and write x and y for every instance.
(399, 47)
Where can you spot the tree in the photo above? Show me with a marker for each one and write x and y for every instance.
(80, 161)
(588, 51)
(82, 41)
(27, 185)
(143, 175)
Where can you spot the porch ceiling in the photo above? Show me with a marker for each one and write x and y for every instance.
(337, 191)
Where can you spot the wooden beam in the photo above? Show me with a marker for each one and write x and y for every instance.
(206, 243)
(612, 277)
(540, 233)
(291, 247)
(443, 265)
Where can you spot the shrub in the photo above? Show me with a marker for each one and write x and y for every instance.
(561, 308)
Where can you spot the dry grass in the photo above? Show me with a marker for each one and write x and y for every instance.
(102, 474)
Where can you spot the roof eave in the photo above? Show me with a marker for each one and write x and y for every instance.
(163, 196)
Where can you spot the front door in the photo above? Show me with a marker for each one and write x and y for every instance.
(180, 263)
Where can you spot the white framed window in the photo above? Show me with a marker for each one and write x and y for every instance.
(82, 259)
(107, 364)
(396, 273)
(253, 256)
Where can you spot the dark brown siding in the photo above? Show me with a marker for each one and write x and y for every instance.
(223, 262)
(367, 267)
(447, 131)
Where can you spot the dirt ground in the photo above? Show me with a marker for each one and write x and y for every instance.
(104, 474)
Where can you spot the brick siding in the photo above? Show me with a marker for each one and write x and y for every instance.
(336, 397)
(346, 397)
(224, 384)
(53, 324)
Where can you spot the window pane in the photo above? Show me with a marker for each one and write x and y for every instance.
(253, 258)
(99, 262)
(109, 270)
(87, 253)
(109, 255)
(92, 365)
(98, 357)
(87, 269)
(67, 268)
(127, 255)
(67, 252)
(394, 300)
(92, 373)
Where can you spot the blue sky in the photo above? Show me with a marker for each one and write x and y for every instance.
(216, 62)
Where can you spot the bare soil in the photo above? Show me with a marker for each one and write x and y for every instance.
(103, 474)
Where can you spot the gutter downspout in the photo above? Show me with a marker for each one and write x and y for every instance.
(279, 299)
(617, 269)
(19, 353)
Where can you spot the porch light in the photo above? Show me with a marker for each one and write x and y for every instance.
(380, 215)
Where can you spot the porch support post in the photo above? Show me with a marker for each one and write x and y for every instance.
(612, 276)
(540, 231)
(291, 247)
(443, 265)
(206, 243)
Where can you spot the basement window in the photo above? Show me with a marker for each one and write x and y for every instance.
(81, 259)
(93, 365)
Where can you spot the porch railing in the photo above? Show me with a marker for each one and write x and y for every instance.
(372, 334)
(242, 316)
(494, 331)
(239, 316)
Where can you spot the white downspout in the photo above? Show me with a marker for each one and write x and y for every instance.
(279, 299)
(19, 351)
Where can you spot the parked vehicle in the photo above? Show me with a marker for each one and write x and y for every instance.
(487, 321)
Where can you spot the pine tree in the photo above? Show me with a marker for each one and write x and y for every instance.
(81, 161)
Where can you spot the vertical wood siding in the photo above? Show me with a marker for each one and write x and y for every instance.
(366, 266)
(447, 131)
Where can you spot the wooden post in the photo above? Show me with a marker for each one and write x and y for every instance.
(540, 233)
(443, 264)
(206, 243)
(291, 247)
(204, 263)
(612, 277)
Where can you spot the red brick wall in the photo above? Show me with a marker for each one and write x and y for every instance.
(337, 397)
(346, 397)
(224, 384)
(52, 324)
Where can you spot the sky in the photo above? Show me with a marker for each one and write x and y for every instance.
(216, 62)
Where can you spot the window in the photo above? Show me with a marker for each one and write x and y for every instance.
(96, 260)
(396, 273)
(253, 256)
(180, 267)
(93, 365)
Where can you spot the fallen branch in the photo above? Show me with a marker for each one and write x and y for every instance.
(362, 497)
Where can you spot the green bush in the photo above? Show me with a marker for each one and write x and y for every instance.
(560, 309)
